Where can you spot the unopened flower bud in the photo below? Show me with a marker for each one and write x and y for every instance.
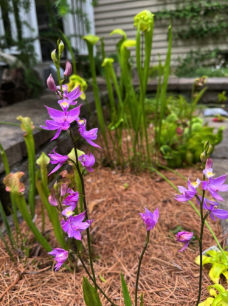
(51, 83)
(61, 47)
(206, 145)
(209, 150)
(56, 186)
(209, 163)
(54, 57)
(68, 68)
(203, 157)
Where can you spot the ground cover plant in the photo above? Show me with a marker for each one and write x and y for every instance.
(68, 199)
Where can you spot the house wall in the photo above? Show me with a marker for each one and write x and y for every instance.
(113, 14)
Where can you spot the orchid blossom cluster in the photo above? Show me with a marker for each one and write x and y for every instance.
(208, 206)
(212, 185)
(60, 120)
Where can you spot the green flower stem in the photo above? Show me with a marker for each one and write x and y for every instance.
(6, 245)
(140, 261)
(196, 210)
(52, 214)
(29, 141)
(84, 266)
(201, 247)
(85, 206)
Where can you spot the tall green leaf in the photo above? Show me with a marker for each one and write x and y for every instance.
(6, 245)
(126, 295)
(90, 294)
(141, 300)
(6, 223)
(52, 213)
(165, 81)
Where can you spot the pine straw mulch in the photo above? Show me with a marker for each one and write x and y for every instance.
(167, 276)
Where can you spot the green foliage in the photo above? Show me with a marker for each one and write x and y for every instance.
(218, 262)
(205, 18)
(90, 294)
(216, 299)
(127, 299)
(198, 63)
(179, 143)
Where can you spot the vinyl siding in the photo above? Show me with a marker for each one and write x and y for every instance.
(113, 14)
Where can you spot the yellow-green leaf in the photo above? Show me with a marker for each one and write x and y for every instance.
(145, 20)
(129, 43)
(207, 302)
(71, 155)
(27, 125)
(120, 32)
(91, 39)
(107, 61)
(215, 272)
(43, 160)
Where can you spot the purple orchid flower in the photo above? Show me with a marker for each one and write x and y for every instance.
(87, 161)
(150, 219)
(184, 237)
(212, 208)
(69, 211)
(61, 120)
(187, 194)
(58, 159)
(60, 256)
(52, 200)
(71, 199)
(88, 135)
(74, 226)
(213, 185)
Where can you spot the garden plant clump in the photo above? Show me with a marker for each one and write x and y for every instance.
(70, 216)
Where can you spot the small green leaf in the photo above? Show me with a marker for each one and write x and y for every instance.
(215, 272)
(127, 299)
(90, 294)
(141, 300)
(71, 155)
(102, 279)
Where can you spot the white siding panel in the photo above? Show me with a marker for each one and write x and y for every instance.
(113, 14)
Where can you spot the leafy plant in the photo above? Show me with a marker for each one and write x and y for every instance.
(216, 299)
(218, 262)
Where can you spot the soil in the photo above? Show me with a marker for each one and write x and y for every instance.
(167, 277)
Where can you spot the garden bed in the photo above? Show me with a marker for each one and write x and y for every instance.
(118, 235)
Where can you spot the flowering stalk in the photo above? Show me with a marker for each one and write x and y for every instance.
(85, 206)
(140, 261)
(201, 246)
